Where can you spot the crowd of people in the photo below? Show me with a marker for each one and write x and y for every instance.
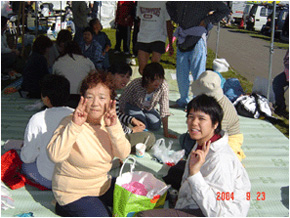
(69, 147)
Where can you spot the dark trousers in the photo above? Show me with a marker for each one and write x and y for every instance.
(134, 38)
(123, 33)
(279, 83)
(89, 206)
(171, 213)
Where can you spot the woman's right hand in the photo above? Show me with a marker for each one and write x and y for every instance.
(138, 128)
(80, 114)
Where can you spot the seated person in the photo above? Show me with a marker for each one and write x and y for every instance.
(209, 83)
(40, 128)
(92, 49)
(58, 47)
(211, 169)
(132, 127)
(35, 68)
(8, 55)
(102, 38)
(142, 95)
(73, 65)
(83, 147)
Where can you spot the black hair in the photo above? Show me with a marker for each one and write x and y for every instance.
(63, 36)
(56, 88)
(3, 22)
(120, 68)
(94, 21)
(151, 72)
(70, 48)
(210, 106)
(89, 29)
(41, 43)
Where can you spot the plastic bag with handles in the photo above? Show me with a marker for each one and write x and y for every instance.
(165, 154)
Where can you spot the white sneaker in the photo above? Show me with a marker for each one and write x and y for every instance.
(116, 52)
(127, 53)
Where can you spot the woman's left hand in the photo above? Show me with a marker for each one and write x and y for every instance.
(110, 116)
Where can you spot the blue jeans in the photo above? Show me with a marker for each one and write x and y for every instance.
(193, 61)
(31, 172)
(151, 119)
(89, 206)
(279, 83)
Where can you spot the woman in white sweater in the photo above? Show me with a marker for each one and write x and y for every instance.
(73, 65)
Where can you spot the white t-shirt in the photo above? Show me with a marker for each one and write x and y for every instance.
(38, 133)
(153, 16)
(75, 70)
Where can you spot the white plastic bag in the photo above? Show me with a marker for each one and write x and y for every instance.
(220, 65)
(165, 154)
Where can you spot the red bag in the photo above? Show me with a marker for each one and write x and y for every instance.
(11, 171)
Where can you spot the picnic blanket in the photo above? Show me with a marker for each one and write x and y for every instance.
(266, 149)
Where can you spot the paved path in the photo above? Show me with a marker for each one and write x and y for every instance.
(247, 55)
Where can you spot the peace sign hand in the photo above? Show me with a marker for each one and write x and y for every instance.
(80, 114)
(110, 116)
(197, 158)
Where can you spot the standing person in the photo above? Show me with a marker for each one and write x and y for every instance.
(155, 26)
(92, 49)
(80, 12)
(211, 169)
(35, 68)
(124, 21)
(132, 127)
(36, 165)
(94, 5)
(102, 38)
(279, 83)
(83, 147)
(135, 30)
(194, 19)
(141, 96)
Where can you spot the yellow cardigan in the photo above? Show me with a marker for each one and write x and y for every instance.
(83, 157)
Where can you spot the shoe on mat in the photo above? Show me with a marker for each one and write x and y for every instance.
(117, 52)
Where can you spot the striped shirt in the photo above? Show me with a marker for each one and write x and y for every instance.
(123, 118)
(134, 94)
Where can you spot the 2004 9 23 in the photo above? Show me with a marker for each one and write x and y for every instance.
(226, 196)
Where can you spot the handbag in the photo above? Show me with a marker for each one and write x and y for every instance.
(127, 203)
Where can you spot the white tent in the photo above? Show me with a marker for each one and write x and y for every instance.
(107, 12)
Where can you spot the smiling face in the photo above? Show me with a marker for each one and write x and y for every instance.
(98, 99)
(97, 27)
(200, 126)
(120, 80)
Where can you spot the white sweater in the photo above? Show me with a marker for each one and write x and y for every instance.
(221, 172)
(75, 70)
(38, 133)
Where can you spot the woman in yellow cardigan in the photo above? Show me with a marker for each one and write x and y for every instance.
(83, 147)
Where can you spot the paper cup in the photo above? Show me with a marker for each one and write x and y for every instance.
(140, 149)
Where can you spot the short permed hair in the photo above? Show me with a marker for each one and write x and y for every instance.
(210, 106)
(96, 77)
(151, 72)
(56, 88)
(120, 68)
(41, 43)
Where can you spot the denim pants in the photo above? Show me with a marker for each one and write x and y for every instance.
(31, 172)
(193, 61)
(151, 118)
(89, 206)
(279, 83)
